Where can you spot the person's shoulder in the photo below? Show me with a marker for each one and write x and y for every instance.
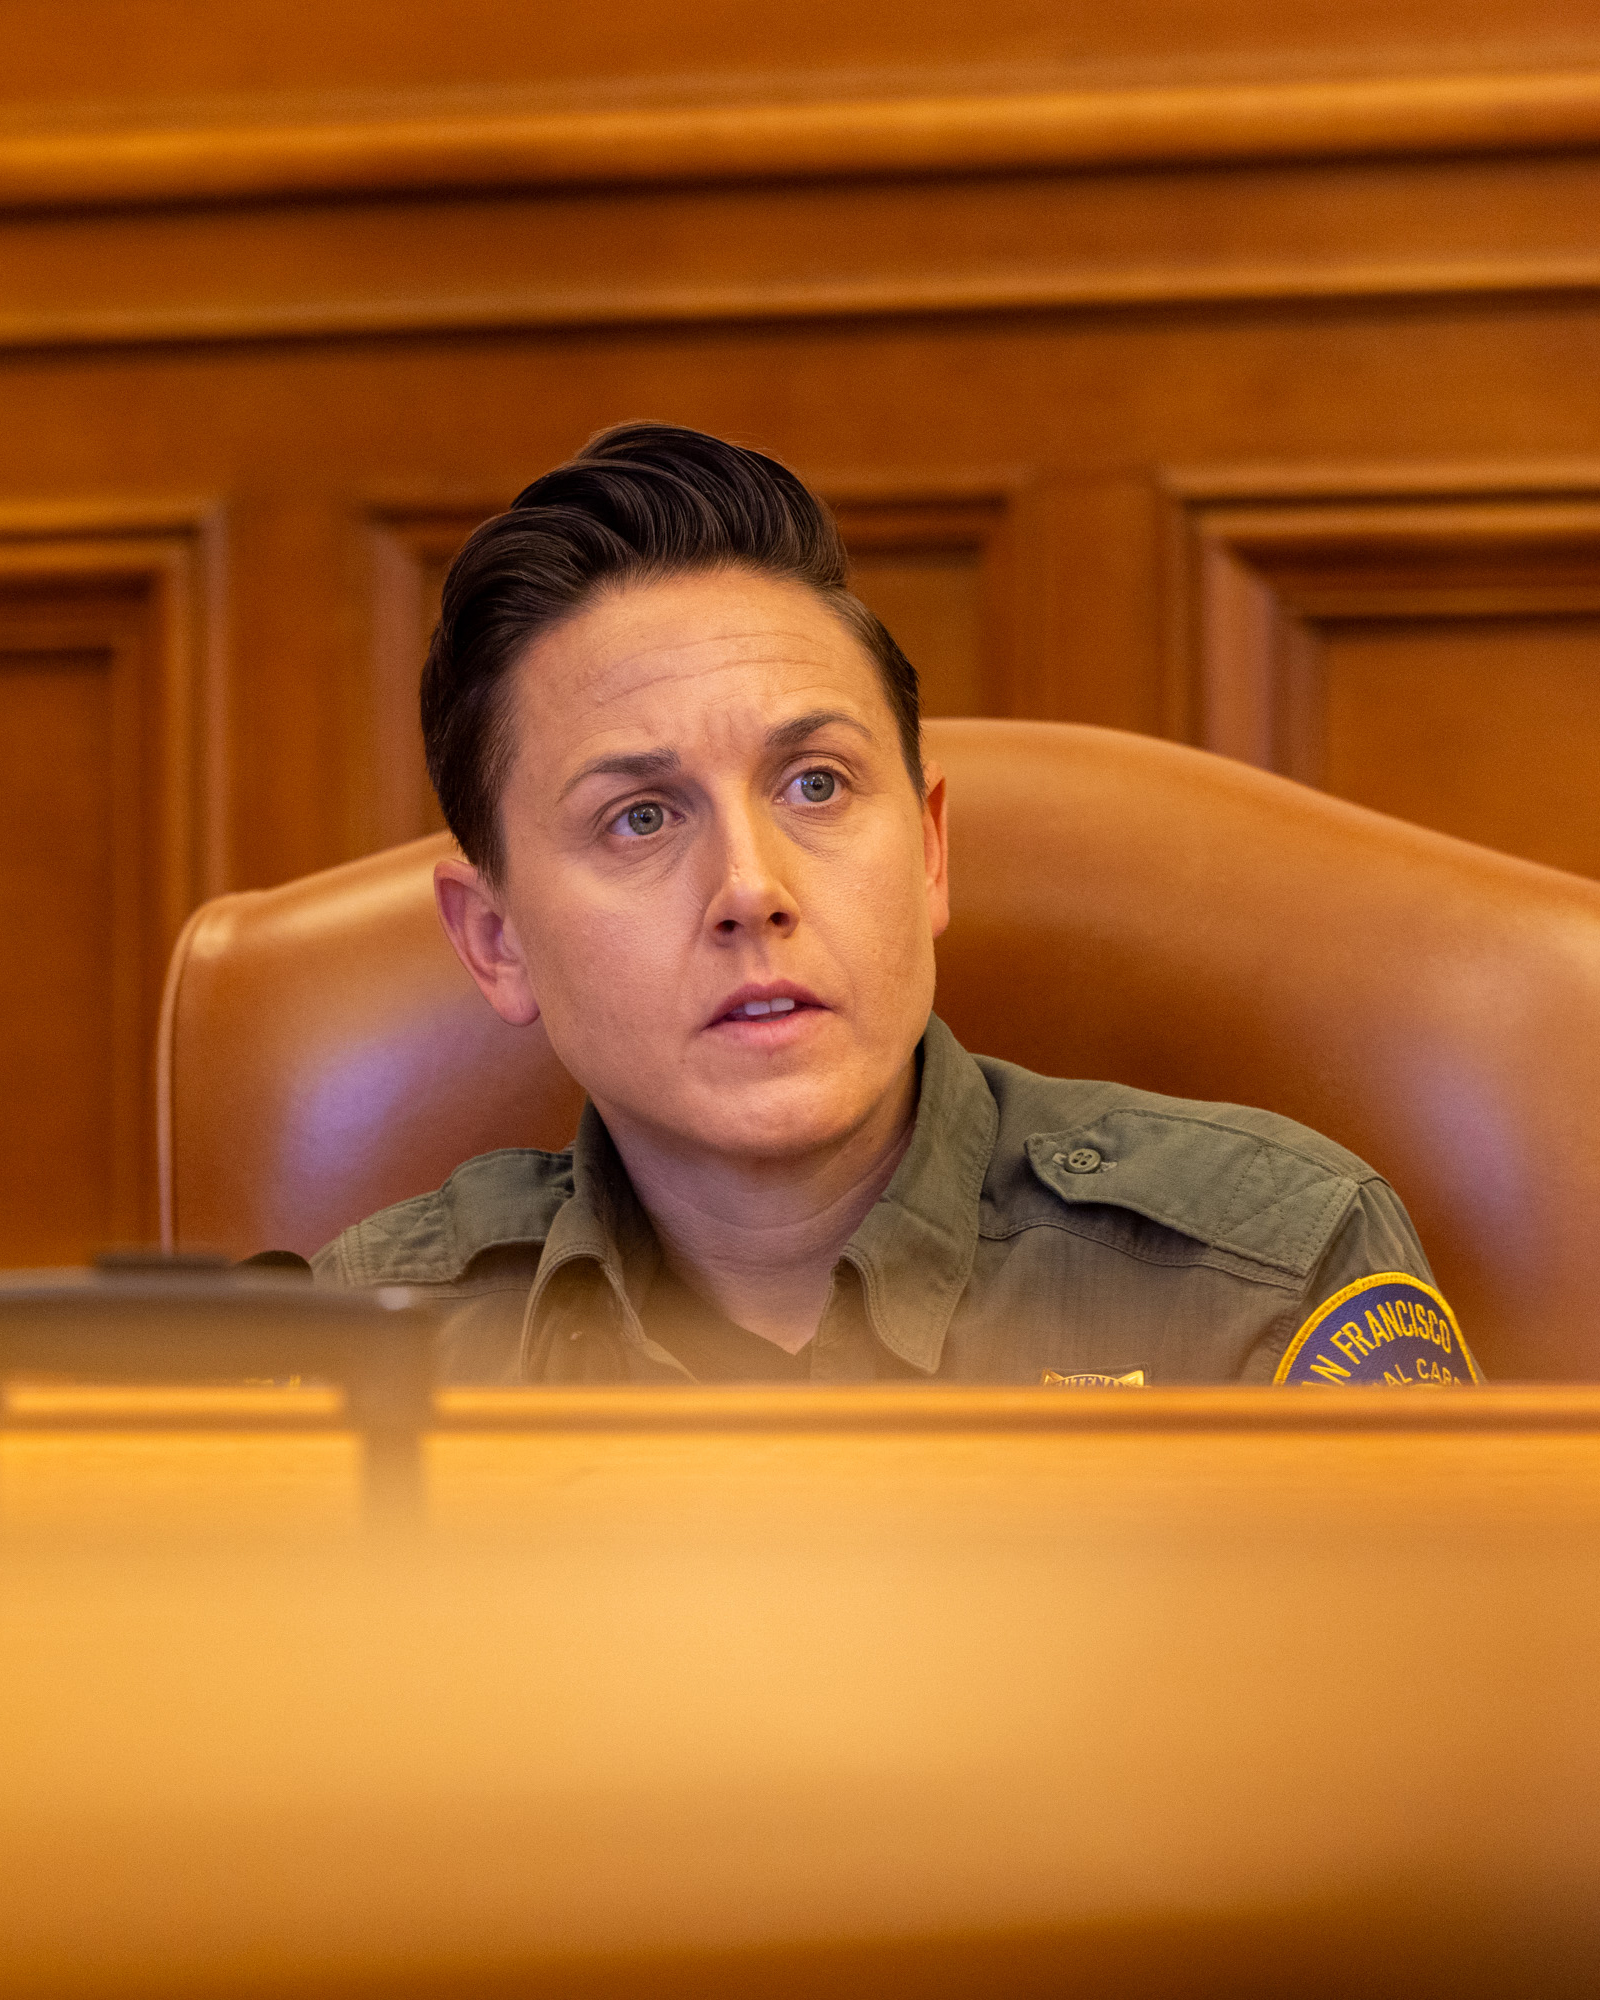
(1249, 1183)
(493, 1211)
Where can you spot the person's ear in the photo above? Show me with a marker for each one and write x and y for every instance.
(936, 848)
(485, 940)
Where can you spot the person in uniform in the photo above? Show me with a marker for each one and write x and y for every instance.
(700, 842)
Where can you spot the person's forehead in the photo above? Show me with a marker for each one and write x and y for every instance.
(697, 650)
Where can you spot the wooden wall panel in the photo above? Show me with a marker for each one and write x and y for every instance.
(931, 599)
(64, 1015)
(104, 817)
(1481, 727)
(1435, 655)
(937, 568)
(410, 551)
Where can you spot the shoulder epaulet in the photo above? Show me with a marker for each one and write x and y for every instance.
(1247, 1182)
(499, 1200)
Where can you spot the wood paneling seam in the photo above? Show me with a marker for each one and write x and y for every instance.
(643, 305)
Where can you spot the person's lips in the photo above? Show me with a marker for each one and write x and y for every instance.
(763, 1000)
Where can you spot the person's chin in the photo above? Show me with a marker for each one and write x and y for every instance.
(775, 1124)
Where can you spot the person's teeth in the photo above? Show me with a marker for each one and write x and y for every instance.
(783, 1006)
(753, 1008)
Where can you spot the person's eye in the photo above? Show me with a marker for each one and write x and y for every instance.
(816, 787)
(641, 820)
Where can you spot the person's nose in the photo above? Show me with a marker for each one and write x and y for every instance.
(749, 896)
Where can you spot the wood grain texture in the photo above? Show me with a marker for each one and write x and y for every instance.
(410, 551)
(108, 802)
(1026, 243)
(289, 52)
(939, 568)
(434, 149)
(1162, 1694)
(1432, 654)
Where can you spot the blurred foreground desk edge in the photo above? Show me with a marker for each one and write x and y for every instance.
(708, 1691)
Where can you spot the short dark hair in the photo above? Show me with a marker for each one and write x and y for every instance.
(640, 503)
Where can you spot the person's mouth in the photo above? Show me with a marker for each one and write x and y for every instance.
(772, 1000)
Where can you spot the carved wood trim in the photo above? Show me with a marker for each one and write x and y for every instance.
(408, 548)
(959, 516)
(767, 249)
(634, 302)
(1259, 564)
(140, 587)
(434, 149)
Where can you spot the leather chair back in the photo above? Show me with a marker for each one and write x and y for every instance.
(1123, 908)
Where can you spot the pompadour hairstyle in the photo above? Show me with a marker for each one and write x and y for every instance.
(640, 503)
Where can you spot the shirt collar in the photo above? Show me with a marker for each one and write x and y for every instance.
(915, 1247)
(913, 1251)
(603, 1224)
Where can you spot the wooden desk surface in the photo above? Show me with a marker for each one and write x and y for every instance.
(713, 1692)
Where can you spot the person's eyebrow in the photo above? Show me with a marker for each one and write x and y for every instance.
(642, 768)
(789, 735)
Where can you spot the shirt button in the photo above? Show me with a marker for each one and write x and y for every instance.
(1082, 1160)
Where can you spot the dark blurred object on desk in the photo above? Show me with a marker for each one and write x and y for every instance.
(146, 1319)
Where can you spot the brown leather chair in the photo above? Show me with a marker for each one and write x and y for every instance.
(1122, 908)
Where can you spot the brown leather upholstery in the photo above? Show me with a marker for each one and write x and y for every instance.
(1122, 908)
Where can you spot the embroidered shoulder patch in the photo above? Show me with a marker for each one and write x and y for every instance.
(1133, 1379)
(1389, 1329)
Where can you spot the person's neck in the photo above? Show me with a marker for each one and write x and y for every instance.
(760, 1238)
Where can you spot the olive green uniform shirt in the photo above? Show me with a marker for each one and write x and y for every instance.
(1035, 1227)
